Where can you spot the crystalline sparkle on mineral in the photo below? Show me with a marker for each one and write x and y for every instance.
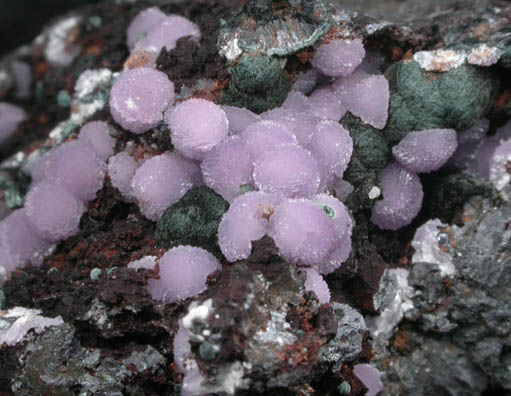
(339, 57)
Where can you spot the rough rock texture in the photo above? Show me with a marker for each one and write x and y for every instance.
(454, 338)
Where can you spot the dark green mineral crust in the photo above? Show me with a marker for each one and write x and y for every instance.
(258, 83)
(192, 221)
(371, 154)
(423, 100)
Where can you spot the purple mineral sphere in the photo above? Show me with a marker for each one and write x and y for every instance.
(183, 274)
(290, 171)
(228, 166)
(144, 21)
(159, 182)
(302, 231)
(121, 169)
(426, 151)
(196, 126)
(53, 211)
(96, 135)
(10, 117)
(339, 58)
(245, 221)
(139, 97)
(166, 33)
(402, 198)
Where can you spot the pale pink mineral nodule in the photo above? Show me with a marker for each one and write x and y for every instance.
(183, 274)
(332, 146)
(96, 135)
(339, 57)
(139, 97)
(301, 124)
(76, 168)
(296, 101)
(196, 126)
(290, 171)
(402, 198)
(343, 226)
(166, 33)
(264, 136)
(314, 282)
(19, 236)
(245, 221)
(10, 117)
(144, 21)
(54, 212)
(366, 96)
(426, 151)
(302, 231)
(227, 167)
(160, 182)
(324, 103)
(239, 118)
(370, 377)
(121, 170)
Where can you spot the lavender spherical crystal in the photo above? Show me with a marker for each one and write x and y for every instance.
(158, 183)
(339, 58)
(402, 198)
(196, 126)
(500, 165)
(10, 117)
(96, 135)
(76, 168)
(183, 274)
(142, 23)
(301, 124)
(296, 101)
(139, 97)
(239, 118)
(366, 96)
(343, 225)
(302, 231)
(426, 151)
(121, 170)
(245, 221)
(264, 136)
(227, 167)
(166, 33)
(325, 104)
(289, 171)
(20, 237)
(332, 147)
(53, 211)
(370, 377)
(314, 282)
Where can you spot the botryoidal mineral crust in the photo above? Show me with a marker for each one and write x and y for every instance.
(425, 309)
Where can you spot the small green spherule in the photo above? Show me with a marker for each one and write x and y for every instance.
(95, 274)
(96, 21)
(329, 211)
(424, 100)
(3, 301)
(110, 270)
(344, 388)
(193, 220)
(63, 98)
(208, 351)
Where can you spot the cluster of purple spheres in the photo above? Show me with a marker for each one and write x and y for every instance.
(63, 181)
